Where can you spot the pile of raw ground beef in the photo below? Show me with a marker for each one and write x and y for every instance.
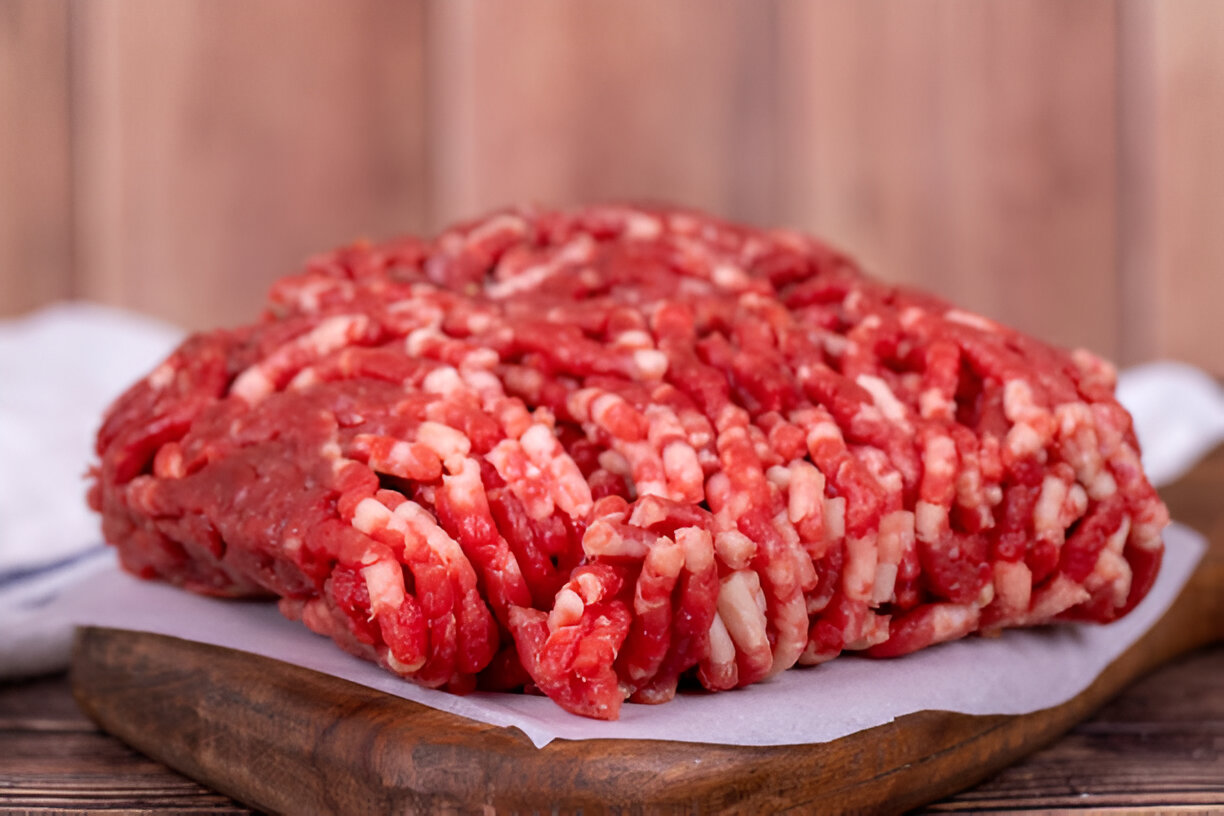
(604, 452)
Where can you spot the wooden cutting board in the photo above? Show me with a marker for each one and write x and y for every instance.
(289, 740)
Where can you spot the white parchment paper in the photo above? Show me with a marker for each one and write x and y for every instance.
(1018, 672)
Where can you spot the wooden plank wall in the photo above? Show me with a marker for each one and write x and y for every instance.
(35, 200)
(1055, 165)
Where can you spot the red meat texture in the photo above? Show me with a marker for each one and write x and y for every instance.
(603, 453)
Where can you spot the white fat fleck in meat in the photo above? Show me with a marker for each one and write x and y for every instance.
(330, 335)
(421, 339)
(522, 476)
(872, 629)
(896, 537)
(858, 573)
(1148, 520)
(911, 316)
(169, 464)
(579, 250)
(1048, 509)
(292, 545)
(412, 517)
(509, 225)
(1112, 571)
(741, 605)
(633, 339)
(1013, 582)
(531, 277)
(370, 515)
(614, 462)
(642, 227)
(969, 319)
(569, 489)
(932, 404)
(881, 469)
(1017, 399)
(805, 497)
(884, 399)
(785, 529)
(1057, 596)
(304, 379)
(729, 276)
(463, 482)
(480, 359)
(252, 386)
(949, 621)
(1074, 506)
(602, 540)
(1095, 369)
(659, 571)
(778, 476)
(486, 384)
(567, 609)
(734, 549)
(384, 580)
(885, 583)
(161, 376)
(930, 521)
(722, 648)
(650, 364)
(479, 322)
(1102, 486)
(939, 458)
(589, 587)
(812, 656)
(449, 444)
(835, 345)
(513, 417)
(685, 478)
(698, 548)
(1023, 441)
(835, 519)
(336, 332)
(605, 408)
(646, 465)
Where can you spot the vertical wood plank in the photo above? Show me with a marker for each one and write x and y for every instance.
(969, 148)
(1186, 180)
(602, 99)
(1137, 128)
(218, 145)
(35, 227)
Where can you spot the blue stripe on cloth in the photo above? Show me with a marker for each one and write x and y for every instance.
(18, 575)
(31, 588)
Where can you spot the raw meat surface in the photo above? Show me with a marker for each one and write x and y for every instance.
(604, 452)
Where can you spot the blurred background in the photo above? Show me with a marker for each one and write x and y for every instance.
(1057, 165)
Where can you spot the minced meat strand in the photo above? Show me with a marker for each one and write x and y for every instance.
(602, 453)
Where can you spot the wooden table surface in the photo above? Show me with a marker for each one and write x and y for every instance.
(1158, 747)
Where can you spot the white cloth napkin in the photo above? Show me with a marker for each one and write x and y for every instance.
(59, 368)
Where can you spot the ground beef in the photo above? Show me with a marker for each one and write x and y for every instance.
(601, 453)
